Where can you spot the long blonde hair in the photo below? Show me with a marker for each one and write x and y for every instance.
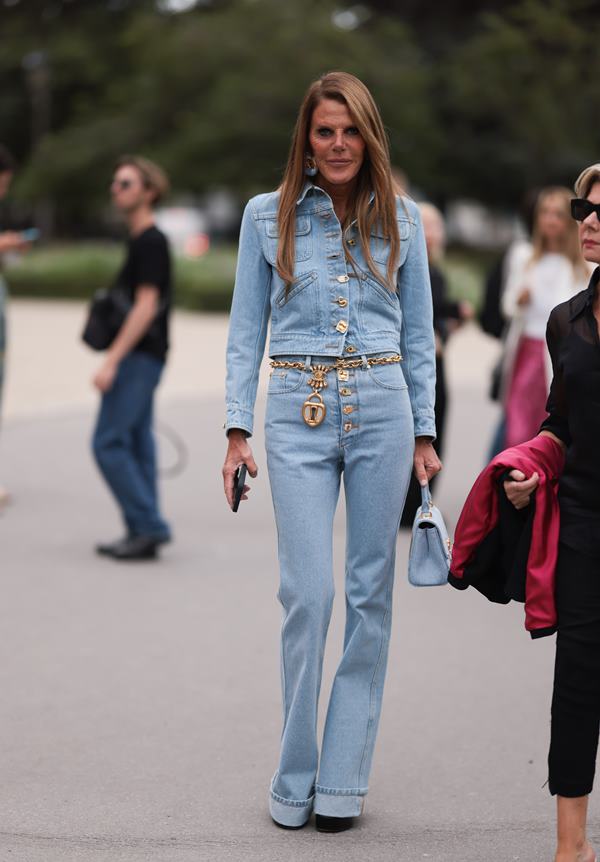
(374, 175)
(570, 245)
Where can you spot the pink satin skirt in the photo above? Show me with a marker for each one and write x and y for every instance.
(527, 392)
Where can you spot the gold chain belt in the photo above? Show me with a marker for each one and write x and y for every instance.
(313, 409)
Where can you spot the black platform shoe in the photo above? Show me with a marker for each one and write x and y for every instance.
(333, 824)
(284, 826)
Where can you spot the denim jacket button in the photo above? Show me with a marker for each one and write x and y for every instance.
(342, 302)
(342, 326)
(342, 279)
(350, 349)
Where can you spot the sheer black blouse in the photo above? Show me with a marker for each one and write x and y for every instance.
(574, 415)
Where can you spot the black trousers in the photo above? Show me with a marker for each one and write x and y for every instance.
(576, 697)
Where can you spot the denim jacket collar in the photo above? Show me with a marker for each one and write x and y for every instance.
(308, 186)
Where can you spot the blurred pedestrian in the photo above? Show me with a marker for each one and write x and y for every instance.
(447, 317)
(574, 421)
(552, 273)
(9, 241)
(491, 316)
(123, 440)
(338, 262)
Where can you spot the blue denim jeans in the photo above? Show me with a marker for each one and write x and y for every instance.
(368, 438)
(124, 446)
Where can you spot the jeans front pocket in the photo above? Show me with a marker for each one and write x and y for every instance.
(389, 376)
(284, 380)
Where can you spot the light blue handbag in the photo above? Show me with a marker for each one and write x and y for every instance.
(430, 547)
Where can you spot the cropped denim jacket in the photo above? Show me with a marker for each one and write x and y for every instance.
(330, 310)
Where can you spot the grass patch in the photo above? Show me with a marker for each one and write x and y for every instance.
(75, 271)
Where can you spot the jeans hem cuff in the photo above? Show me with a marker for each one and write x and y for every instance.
(339, 803)
(290, 812)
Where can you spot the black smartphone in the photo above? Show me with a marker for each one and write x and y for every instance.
(239, 480)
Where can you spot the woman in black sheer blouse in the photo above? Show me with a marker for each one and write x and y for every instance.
(573, 337)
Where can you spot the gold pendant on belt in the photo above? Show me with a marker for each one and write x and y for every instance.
(314, 410)
(319, 377)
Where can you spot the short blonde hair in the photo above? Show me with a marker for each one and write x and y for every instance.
(152, 175)
(586, 179)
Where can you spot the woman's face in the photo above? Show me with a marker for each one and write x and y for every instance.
(433, 227)
(589, 229)
(552, 218)
(335, 143)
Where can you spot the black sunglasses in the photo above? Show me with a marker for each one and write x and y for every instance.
(581, 208)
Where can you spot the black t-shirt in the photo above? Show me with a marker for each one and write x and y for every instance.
(149, 262)
(574, 415)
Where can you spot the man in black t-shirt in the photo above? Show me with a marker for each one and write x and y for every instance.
(123, 439)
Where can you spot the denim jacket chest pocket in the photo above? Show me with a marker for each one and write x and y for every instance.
(295, 308)
(303, 241)
(380, 247)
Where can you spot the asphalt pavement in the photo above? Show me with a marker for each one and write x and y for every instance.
(141, 712)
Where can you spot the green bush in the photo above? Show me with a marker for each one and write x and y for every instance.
(76, 271)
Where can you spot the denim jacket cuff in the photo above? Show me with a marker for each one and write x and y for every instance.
(238, 417)
(425, 426)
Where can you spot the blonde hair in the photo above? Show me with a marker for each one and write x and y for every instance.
(153, 176)
(586, 179)
(434, 228)
(374, 175)
(570, 245)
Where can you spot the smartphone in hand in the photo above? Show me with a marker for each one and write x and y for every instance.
(239, 480)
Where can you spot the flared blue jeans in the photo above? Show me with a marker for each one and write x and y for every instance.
(367, 437)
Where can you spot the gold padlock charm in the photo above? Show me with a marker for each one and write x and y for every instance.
(313, 411)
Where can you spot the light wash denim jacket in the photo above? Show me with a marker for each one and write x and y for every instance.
(328, 311)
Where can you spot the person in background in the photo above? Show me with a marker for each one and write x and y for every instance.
(123, 441)
(9, 241)
(491, 317)
(573, 336)
(552, 273)
(447, 316)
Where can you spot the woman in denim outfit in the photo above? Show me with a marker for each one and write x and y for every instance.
(337, 261)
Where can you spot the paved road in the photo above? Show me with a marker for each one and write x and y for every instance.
(140, 711)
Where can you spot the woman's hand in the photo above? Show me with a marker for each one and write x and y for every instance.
(238, 453)
(524, 298)
(519, 490)
(426, 461)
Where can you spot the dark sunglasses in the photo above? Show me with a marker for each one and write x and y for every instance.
(581, 208)
(121, 184)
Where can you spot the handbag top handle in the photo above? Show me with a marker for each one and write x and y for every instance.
(426, 501)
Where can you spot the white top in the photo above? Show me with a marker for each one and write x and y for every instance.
(550, 281)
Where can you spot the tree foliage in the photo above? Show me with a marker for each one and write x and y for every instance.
(482, 100)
